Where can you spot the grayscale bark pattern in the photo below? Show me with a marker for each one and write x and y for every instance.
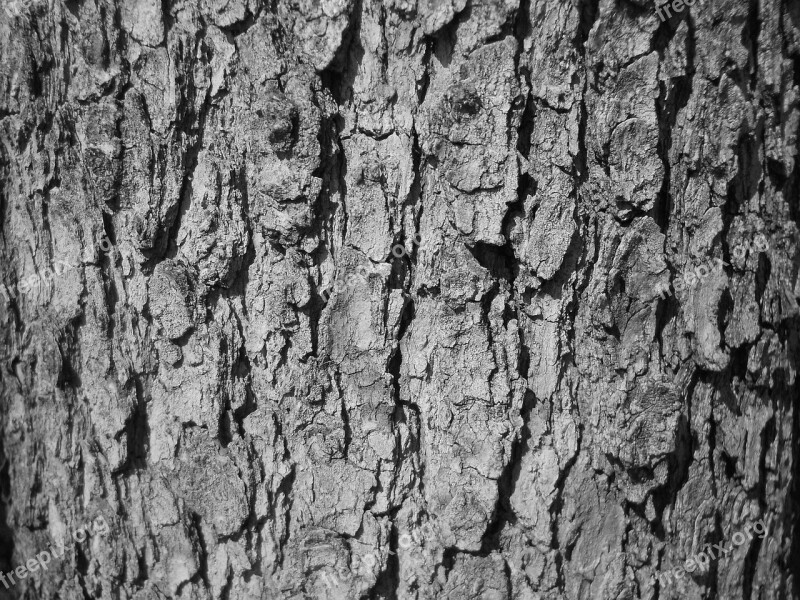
(379, 271)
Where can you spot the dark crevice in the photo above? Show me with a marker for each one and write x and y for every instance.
(724, 313)
(679, 461)
(425, 79)
(6, 533)
(337, 80)
(449, 559)
(388, 579)
(663, 36)
(137, 434)
(241, 27)
(242, 371)
(791, 187)
(762, 276)
(225, 422)
(225, 594)
(666, 311)
(663, 203)
(348, 431)
(184, 126)
(767, 438)
(498, 260)
(142, 574)
(506, 484)
(558, 501)
(203, 554)
(82, 567)
(445, 38)
(396, 356)
(792, 513)
(588, 11)
(341, 73)
(671, 100)
(750, 33)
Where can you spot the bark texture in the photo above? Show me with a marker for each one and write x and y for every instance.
(266, 397)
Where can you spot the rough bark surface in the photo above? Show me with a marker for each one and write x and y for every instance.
(266, 397)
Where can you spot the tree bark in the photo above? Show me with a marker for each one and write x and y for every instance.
(362, 299)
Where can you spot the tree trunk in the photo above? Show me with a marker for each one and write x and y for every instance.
(400, 299)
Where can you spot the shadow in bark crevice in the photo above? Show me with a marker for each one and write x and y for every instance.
(6, 534)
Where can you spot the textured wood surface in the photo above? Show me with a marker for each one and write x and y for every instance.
(401, 299)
